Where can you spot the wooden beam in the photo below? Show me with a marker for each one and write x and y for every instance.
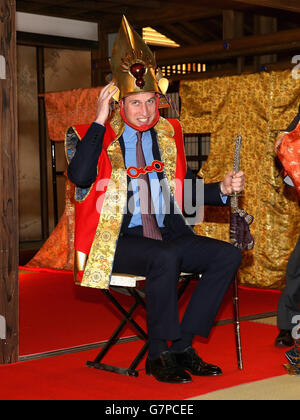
(165, 14)
(217, 50)
(9, 232)
(182, 33)
(90, 6)
(283, 41)
(204, 30)
(289, 5)
(171, 35)
(52, 41)
(139, 14)
(36, 6)
(243, 5)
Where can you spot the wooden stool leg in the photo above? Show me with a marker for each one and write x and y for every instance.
(127, 318)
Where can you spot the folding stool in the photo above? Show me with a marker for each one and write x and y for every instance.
(127, 284)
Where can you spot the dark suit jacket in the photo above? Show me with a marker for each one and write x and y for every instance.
(82, 171)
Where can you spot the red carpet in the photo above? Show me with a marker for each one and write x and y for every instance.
(66, 377)
(56, 314)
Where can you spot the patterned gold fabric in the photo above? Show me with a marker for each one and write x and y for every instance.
(255, 106)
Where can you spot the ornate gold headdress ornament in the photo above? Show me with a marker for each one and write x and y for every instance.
(133, 64)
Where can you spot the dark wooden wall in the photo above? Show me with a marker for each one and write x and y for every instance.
(9, 238)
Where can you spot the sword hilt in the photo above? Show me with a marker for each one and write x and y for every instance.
(236, 165)
(237, 153)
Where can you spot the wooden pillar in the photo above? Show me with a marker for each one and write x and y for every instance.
(233, 28)
(43, 140)
(100, 64)
(264, 25)
(9, 232)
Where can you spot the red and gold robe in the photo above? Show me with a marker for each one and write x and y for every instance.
(99, 213)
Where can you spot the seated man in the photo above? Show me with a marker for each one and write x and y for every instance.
(116, 161)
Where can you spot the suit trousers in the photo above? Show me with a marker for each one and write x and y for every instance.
(289, 303)
(161, 262)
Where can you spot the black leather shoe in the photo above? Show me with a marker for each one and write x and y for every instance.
(284, 339)
(165, 369)
(190, 361)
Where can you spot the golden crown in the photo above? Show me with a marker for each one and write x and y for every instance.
(133, 64)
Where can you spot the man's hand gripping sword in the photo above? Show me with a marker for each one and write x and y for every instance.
(239, 220)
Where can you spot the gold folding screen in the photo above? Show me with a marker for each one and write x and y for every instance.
(255, 106)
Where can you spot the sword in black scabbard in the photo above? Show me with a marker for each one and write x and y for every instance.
(241, 238)
(234, 201)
